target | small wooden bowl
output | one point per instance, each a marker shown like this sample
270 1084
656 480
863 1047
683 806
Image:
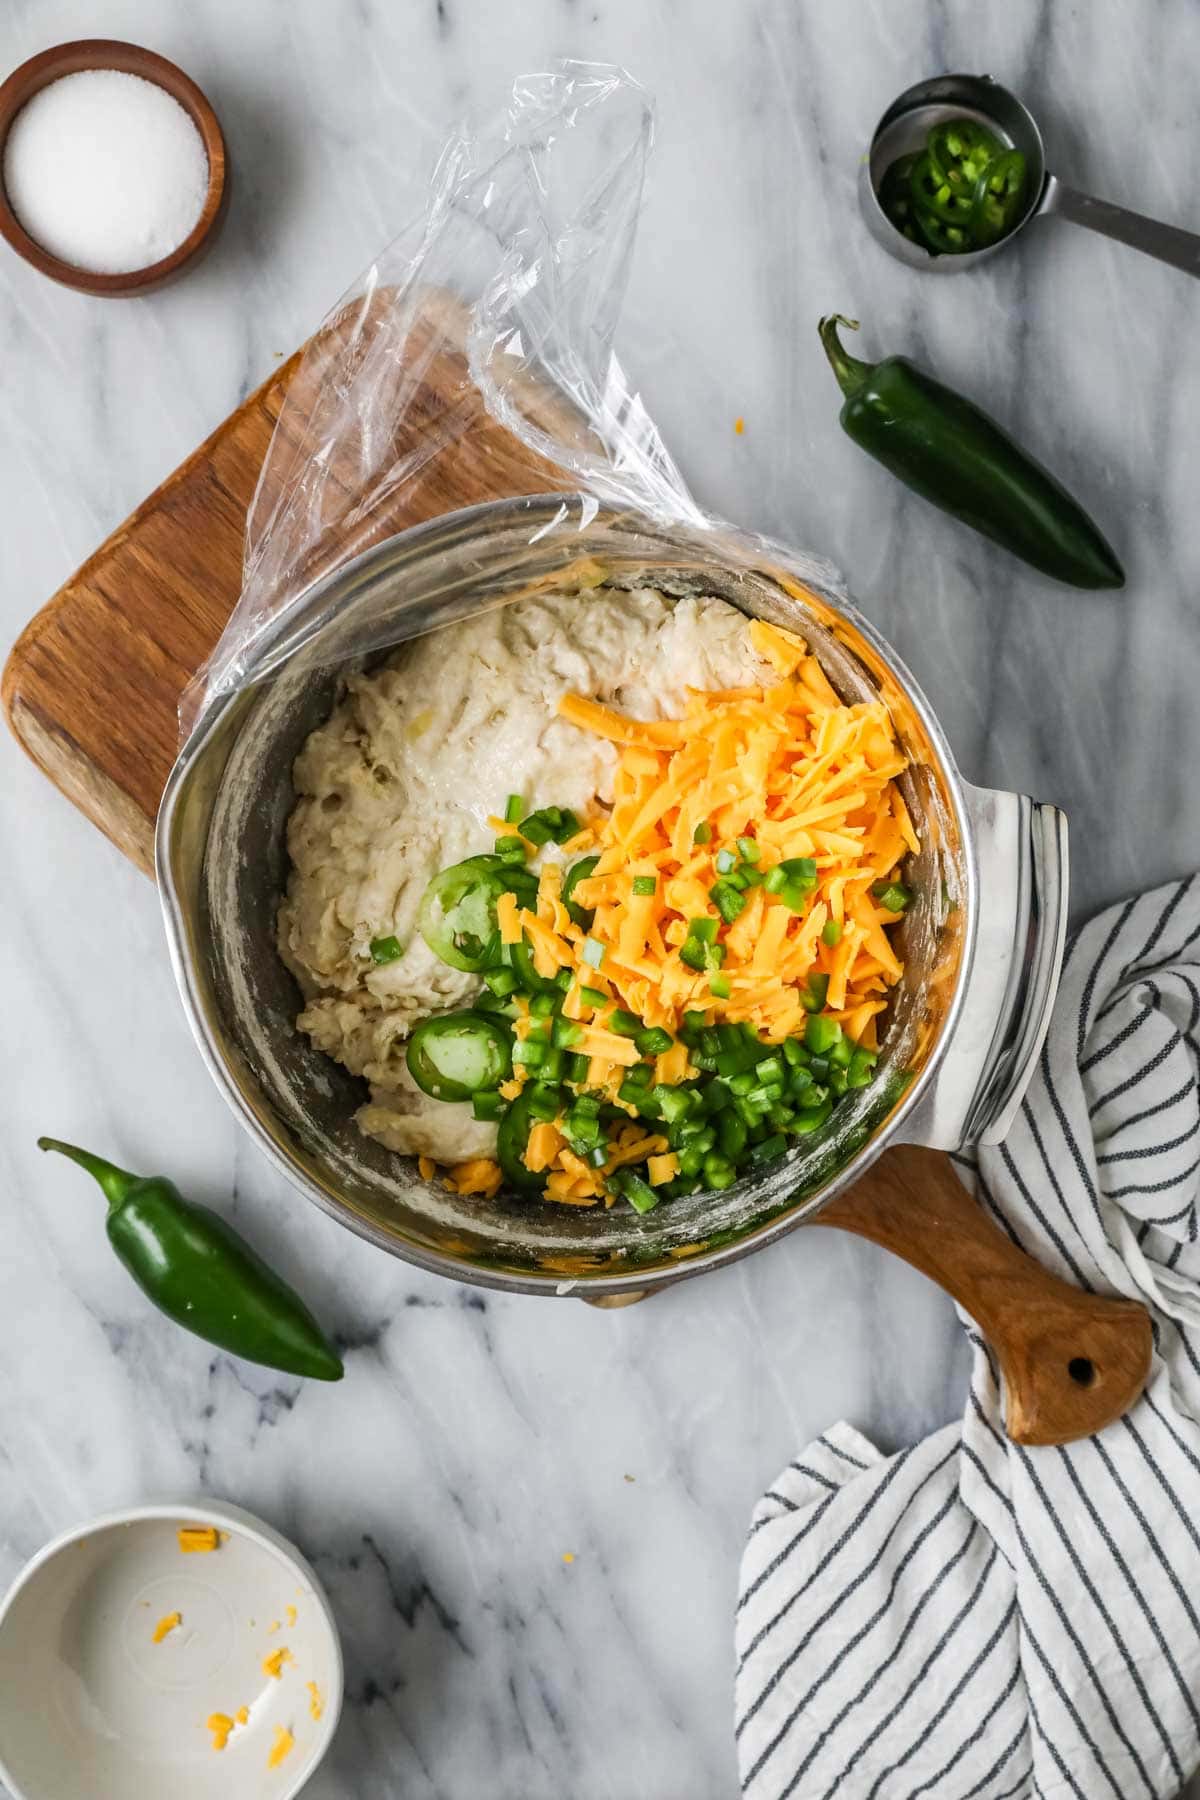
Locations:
127 59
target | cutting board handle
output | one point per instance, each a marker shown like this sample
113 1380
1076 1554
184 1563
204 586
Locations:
1071 1362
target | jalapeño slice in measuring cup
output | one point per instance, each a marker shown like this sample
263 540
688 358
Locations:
456 1055
999 198
895 194
960 150
932 193
939 235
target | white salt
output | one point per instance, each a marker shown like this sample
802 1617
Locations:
106 171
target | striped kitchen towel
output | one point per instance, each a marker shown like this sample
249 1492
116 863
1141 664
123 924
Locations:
970 1620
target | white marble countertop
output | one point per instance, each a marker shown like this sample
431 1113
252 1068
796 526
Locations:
478 1438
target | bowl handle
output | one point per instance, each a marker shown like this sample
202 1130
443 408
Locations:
1070 1362
1021 879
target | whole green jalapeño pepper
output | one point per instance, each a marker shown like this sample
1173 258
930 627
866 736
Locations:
950 452
197 1270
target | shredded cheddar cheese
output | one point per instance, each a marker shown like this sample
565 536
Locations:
291 1615
316 1706
273 1664
804 774
283 1746
508 918
220 1724
544 1144
198 1538
166 1626
479 1176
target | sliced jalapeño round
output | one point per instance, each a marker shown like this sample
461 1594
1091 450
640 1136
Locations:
960 150
455 1055
895 191
932 193
519 957
458 914
939 235
511 1140
458 910
999 198
579 871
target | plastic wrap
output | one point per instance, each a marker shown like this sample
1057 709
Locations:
498 308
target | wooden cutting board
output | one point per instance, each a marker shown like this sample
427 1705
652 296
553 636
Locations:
93 684
92 690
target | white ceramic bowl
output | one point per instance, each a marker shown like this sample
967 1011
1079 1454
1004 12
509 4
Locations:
92 1708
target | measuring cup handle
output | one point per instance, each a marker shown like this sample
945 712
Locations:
1167 242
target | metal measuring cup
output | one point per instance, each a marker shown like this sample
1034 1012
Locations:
904 128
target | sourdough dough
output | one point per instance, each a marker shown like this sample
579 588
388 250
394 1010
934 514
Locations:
400 782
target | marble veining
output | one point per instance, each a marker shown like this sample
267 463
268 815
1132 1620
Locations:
478 1440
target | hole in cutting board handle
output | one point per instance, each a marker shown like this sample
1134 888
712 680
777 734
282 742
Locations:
1070 1361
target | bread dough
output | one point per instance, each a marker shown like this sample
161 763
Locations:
400 782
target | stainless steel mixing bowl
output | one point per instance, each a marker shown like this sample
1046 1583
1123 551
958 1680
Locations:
982 943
